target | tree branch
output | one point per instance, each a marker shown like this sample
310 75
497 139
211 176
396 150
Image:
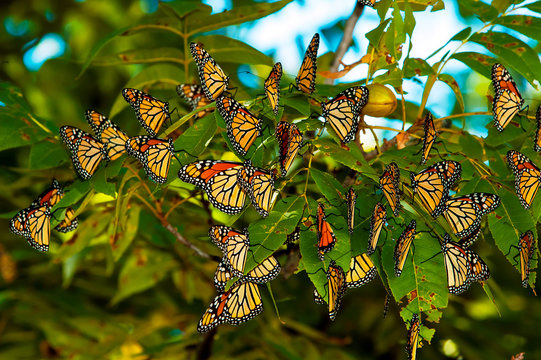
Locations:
181 239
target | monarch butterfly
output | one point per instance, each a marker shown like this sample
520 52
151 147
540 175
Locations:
194 95
219 179
150 111
433 183
86 152
402 247
351 198
222 276
389 184
213 79
264 272
464 213
413 337
467 241
108 133
526 248
429 138
236 252
507 100
537 142
49 197
242 127
289 140
336 280
463 266
527 177
239 304
325 235
306 77
34 223
294 236
361 271
155 155
342 112
69 223
272 87
259 185
379 217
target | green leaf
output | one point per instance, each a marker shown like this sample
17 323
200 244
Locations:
535 6
478 8
512 132
46 154
501 5
393 77
143 269
18 125
200 22
478 62
462 34
421 5
125 233
142 56
514 52
101 185
449 80
224 49
154 74
375 36
268 234
409 20
195 139
297 102
349 155
416 67
329 187
527 25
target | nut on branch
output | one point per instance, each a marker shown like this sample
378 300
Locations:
381 101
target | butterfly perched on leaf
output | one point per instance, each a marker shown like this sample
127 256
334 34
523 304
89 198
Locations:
259 185
507 100
155 155
343 111
351 198
86 152
194 95
213 79
336 286
150 111
464 213
526 250
361 271
377 221
290 141
108 133
389 183
325 234
413 337
219 180
402 247
242 126
272 87
463 266
527 177
537 140
34 223
432 185
429 137
306 77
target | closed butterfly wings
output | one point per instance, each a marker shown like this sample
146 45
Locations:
389 183
526 247
429 138
306 77
108 133
537 140
289 141
213 79
413 337
527 177
155 155
150 111
336 286
86 152
34 224
259 185
507 99
325 234
377 221
361 271
193 94
272 87
402 247
242 127
464 213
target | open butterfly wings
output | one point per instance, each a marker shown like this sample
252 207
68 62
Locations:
155 155
213 79
464 213
108 133
289 141
379 217
150 111
86 152
527 177
526 246
429 138
272 87
463 266
342 112
325 234
389 183
507 99
306 77
433 183
194 95
402 247
242 127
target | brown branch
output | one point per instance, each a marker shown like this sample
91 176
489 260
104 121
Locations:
346 39
181 239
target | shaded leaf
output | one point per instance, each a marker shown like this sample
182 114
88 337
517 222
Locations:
449 80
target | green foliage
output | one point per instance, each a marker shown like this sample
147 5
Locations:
126 285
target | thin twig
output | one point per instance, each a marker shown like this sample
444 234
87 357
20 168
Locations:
181 239
346 39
